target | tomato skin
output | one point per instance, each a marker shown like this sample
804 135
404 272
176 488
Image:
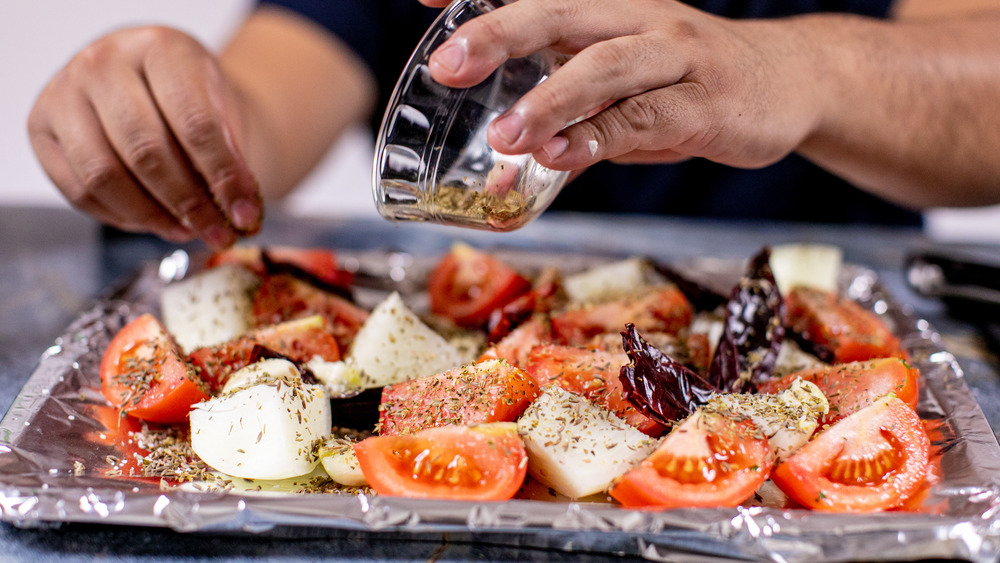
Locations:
731 461
467 285
489 391
482 463
850 332
591 373
664 309
143 350
299 340
321 263
853 386
282 297
833 472
518 343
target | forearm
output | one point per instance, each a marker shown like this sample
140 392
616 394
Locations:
302 88
908 109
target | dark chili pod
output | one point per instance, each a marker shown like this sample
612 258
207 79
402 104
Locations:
542 297
657 385
753 330
702 297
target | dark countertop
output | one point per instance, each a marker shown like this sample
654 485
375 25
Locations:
54 262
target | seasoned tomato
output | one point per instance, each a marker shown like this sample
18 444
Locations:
483 462
709 460
515 346
489 391
591 373
299 340
874 459
853 386
467 285
143 374
320 263
840 325
664 309
283 297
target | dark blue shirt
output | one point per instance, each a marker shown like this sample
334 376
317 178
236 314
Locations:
384 32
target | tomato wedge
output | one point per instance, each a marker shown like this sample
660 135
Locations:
467 285
874 459
709 460
849 332
299 340
483 462
591 373
320 263
664 309
143 374
489 391
853 386
282 297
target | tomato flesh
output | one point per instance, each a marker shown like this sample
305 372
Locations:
853 386
320 263
282 297
664 309
841 325
489 391
467 285
709 460
299 340
144 375
873 460
484 462
591 373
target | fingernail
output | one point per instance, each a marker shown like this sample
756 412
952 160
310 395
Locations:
510 127
245 214
451 57
555 146
219 237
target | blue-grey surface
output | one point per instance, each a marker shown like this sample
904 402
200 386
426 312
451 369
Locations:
53 262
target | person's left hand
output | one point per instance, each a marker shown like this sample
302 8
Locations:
659 80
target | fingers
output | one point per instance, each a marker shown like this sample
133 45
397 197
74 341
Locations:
78 159
138 131
193 100
611 70
664 125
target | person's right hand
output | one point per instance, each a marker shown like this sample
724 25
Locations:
142 130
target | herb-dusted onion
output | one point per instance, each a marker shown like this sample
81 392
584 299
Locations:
394 345
265 428
577 447
209 308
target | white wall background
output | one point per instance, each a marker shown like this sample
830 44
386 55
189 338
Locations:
38 36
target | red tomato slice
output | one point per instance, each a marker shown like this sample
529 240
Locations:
299 340
282 297
852 387
850 332
874 459
143 374
709 460
484 462
467 285
518 343
490 391
591 373
318 262
665 309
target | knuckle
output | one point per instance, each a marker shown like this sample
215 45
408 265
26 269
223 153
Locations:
199 128
99 175
147 156
637 114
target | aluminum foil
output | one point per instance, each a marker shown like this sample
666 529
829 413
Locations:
54 448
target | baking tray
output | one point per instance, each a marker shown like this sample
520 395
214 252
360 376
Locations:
54 457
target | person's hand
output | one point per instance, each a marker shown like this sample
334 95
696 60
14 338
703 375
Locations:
659 80
142 131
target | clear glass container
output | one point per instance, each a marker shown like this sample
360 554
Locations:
432 160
